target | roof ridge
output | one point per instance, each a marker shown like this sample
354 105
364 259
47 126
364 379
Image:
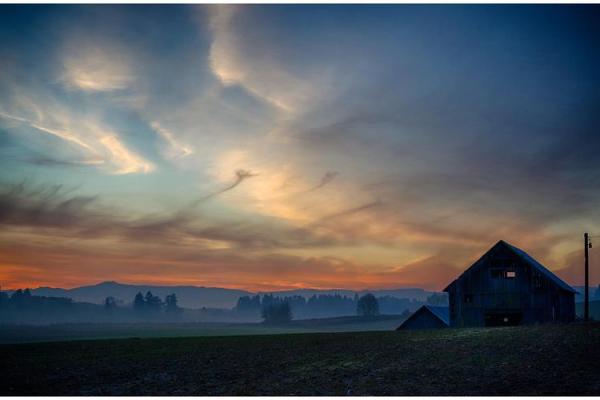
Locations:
522 254
525 257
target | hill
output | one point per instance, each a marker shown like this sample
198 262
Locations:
188 296
536 360
198 296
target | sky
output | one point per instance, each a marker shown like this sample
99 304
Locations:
270 147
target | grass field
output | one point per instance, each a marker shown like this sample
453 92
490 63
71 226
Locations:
541 360
62 332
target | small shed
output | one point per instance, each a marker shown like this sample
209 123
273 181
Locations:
427 317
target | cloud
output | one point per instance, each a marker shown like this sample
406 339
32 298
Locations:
45 161
93 68
237 60
326 179
240 176
52 211
462 147
95 144
125 160
176 147
573 270
445 268
68 136
350 211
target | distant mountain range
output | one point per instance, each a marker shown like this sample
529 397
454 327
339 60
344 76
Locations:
198 297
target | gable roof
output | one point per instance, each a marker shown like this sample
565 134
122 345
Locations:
527 259
441 313
532 262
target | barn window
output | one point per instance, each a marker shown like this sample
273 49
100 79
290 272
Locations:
502 274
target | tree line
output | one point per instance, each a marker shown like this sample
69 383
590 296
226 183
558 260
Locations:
148 304
275 309
23 306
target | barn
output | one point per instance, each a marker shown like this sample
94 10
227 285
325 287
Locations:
426 317
506 286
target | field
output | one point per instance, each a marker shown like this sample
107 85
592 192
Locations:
541 360
62 332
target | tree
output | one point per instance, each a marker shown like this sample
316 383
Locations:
17 294
110 303
367 306
171 304
153 303
21 297
277 313
139 304
438 299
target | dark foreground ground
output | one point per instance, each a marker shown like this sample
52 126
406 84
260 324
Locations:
543 360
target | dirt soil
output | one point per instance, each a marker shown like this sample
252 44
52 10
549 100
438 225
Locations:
540 360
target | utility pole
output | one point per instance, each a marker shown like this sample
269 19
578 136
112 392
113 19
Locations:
586 300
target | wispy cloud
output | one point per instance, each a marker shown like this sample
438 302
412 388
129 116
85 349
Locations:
99 145
94 68
126 161
55 211
237 61
240 176
326 179
350 211
176 147
68 136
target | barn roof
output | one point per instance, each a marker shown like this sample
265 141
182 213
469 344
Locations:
526 258
441 313
539 267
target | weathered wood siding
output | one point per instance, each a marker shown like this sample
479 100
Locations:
485 290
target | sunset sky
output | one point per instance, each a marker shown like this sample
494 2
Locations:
275 147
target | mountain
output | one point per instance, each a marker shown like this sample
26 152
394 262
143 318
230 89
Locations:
188 296
198 297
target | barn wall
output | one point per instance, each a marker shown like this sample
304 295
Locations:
529 297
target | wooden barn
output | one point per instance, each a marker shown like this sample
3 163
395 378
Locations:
506 286
426 317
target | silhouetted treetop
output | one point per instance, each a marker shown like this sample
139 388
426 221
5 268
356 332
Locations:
367 306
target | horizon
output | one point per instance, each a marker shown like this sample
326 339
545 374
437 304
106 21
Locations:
125 283
209 287
232 146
